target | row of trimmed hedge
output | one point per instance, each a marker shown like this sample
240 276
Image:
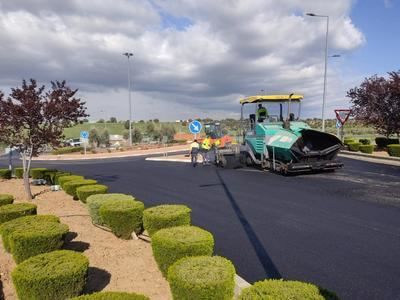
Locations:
65 150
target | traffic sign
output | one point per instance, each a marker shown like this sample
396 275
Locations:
84 135
338 124
342 115
195 127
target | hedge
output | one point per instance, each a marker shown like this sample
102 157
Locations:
37 173
112 296
49 176
123 217
171 244
5 174
367 148
354 146
65 150
202 277
364 141
19 172
164 216
6 199
95 201
12 211
383 142
71 186
349 140
83 192
64 179
37 238
57 275
60 174
7 228
282 290
394 150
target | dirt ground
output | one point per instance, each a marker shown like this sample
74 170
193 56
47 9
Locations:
115 264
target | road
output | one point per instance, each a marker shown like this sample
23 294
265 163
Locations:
338 230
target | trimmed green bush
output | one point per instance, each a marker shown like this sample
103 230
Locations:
83 192
283 290
56 275
37 238
354 146
367 148
19 172
65 150
12 211
349 140
123 217
5 174
394 150
365 141
62 180
71 186
37 173
6 199
164 216
60 174
112 296
7 228
171 244
95 201
49 176
202 277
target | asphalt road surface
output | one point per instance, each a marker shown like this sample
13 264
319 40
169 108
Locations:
338 230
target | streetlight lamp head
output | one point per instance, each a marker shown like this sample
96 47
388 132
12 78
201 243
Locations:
310 14
336 55
127 54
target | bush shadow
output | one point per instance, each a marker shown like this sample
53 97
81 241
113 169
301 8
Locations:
106 178
97 280
70 244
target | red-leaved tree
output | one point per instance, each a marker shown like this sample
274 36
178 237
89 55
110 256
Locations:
31 118
376 102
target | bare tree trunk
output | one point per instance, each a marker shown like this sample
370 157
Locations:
26 167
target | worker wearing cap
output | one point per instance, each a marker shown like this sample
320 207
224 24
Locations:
194 151
205 149
261 113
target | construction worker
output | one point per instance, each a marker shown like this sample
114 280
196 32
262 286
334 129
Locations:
205 149
194 151
261 113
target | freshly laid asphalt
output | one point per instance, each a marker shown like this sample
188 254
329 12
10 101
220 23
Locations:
338 230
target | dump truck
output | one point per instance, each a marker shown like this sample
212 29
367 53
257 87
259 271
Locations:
281 142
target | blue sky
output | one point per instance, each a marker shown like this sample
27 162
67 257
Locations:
380 23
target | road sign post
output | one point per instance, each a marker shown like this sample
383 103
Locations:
195 127
84 139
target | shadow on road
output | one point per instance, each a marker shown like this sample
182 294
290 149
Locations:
97 280
106 178
263 256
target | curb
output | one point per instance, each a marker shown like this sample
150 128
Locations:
166 159
389 158
60 158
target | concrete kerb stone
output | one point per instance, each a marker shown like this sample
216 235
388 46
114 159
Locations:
395 161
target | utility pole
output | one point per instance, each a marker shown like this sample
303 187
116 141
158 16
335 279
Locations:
128 55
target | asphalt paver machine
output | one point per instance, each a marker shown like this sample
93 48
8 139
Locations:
281 142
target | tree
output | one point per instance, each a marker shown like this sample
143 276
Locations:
150 129
168 131
31 118
101 121
126 124
376 102
94 137
156 120
113 120
105 138
136 136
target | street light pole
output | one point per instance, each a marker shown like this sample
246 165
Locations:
326 65
128 55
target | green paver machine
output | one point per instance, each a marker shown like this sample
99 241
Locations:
281 143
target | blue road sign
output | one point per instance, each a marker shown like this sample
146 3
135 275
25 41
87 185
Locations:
84 135
195 127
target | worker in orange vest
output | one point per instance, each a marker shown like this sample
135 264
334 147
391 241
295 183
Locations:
205 150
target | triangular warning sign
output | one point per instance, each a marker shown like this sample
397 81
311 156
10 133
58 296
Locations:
342 115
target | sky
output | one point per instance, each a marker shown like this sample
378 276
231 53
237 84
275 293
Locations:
197 58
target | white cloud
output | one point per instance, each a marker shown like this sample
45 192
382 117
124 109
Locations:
228 49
